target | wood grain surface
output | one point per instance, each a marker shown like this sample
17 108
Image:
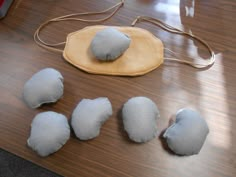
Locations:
171 86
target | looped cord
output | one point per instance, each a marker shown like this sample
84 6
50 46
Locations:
171 29
73 17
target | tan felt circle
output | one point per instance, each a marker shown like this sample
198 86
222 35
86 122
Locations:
144 54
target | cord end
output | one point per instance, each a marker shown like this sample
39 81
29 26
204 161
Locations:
135 21
122 2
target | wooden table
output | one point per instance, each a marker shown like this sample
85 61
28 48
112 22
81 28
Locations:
172 86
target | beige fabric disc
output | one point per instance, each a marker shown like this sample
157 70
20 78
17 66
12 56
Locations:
144 54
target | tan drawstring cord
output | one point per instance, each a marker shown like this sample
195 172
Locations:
157 22
171 29
50 46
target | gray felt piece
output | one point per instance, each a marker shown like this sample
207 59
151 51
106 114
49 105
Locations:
140 119
46 86
109 44
88 117
49 132
188 134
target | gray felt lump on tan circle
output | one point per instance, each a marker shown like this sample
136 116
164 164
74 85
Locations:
140 116
46 86
49 132
188 134
88 117
109 44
